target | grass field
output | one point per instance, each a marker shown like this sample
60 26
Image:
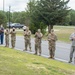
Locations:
63 33
14 62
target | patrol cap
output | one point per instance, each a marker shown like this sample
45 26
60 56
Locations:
52 30
39 30
13 28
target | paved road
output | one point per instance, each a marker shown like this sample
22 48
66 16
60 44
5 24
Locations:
62 49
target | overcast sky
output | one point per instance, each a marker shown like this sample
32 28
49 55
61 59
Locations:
20 5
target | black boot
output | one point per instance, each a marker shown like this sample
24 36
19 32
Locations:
70 60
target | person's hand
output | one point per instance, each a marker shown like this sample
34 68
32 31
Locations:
73 38
52 38
49 39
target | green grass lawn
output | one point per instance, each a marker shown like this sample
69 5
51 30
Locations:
64 32
14 62
19 33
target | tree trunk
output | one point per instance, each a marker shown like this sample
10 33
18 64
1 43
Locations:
49 28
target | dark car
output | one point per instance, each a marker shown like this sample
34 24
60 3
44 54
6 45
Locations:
16 25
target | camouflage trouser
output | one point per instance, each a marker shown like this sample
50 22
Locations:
38 47
27 42
74 59
13 42
72 51
52 51
7 41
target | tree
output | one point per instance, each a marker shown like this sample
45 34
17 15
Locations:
7 15
3 18
50 12
72 17
15 16
34 22
30 9
20 17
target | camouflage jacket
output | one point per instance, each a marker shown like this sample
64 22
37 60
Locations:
27 35
38 37
7 33
52 39
13 35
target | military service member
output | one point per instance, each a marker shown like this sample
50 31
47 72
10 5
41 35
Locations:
38 38
52 40
13 37
7 38
72 38
27 38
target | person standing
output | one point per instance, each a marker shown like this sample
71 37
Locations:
52 38
38 38
13 37
72 38
27 38
1 33
7 38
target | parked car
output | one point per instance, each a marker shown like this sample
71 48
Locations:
16 25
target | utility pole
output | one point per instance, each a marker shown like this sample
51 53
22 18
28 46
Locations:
9 17
3 5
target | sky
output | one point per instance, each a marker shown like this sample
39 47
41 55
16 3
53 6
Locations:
20 5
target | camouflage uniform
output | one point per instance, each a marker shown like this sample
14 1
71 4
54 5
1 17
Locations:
7 38
27 38
52 39
13 37
38 37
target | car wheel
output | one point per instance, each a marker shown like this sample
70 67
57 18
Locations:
13 27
